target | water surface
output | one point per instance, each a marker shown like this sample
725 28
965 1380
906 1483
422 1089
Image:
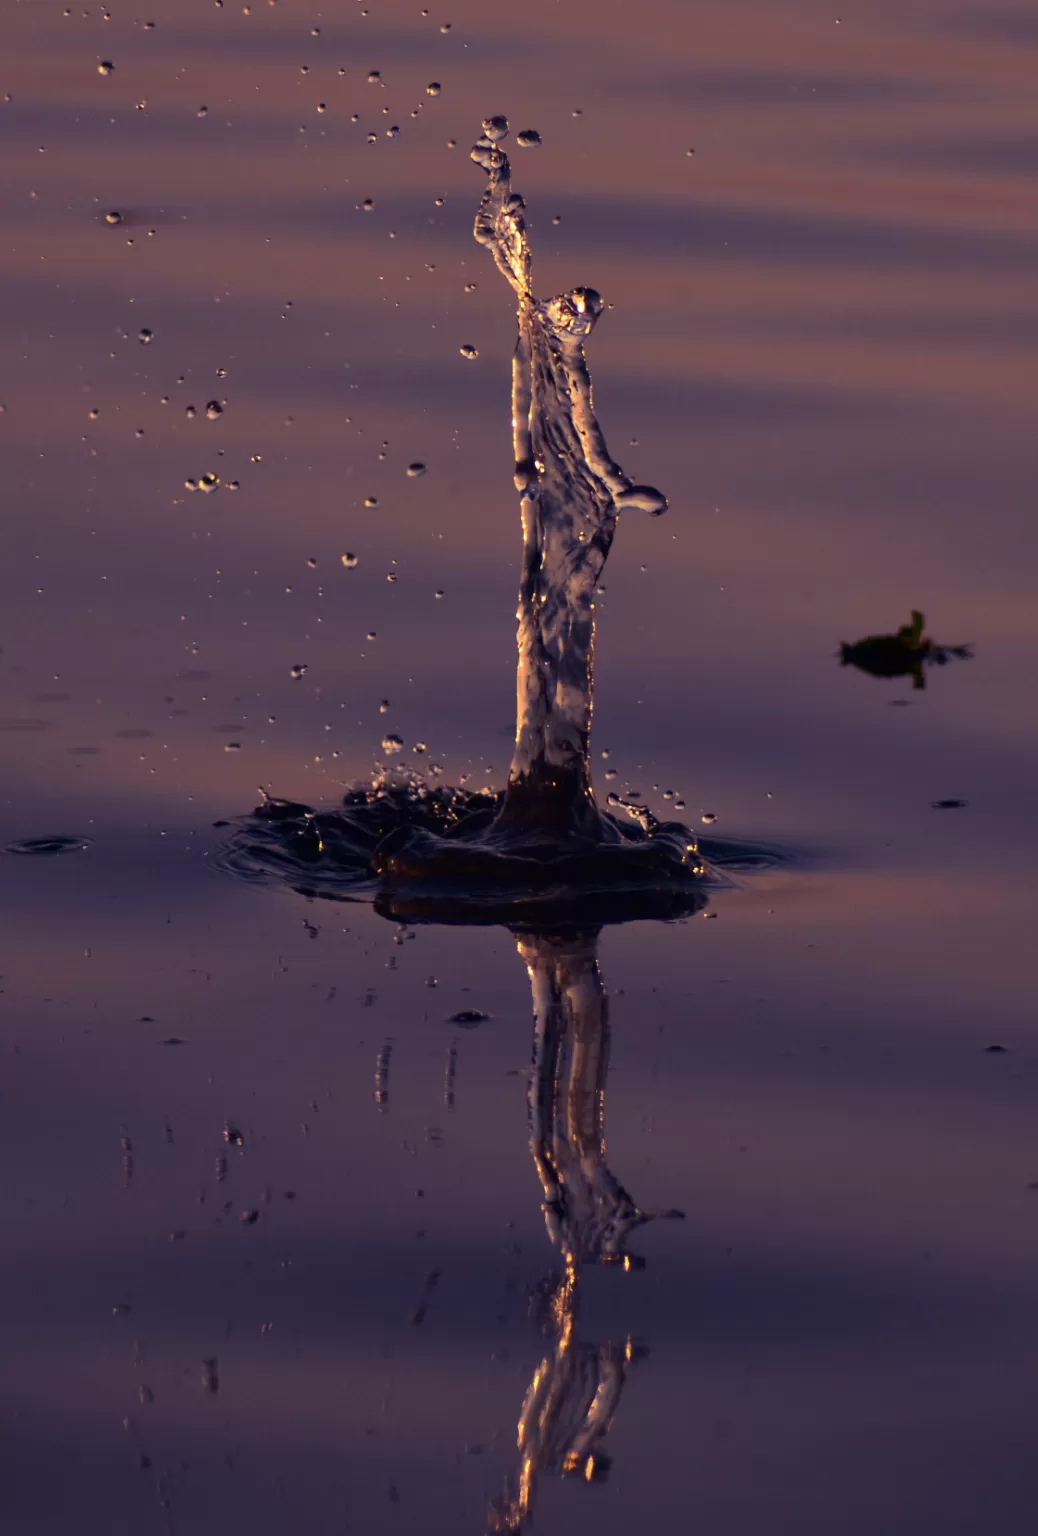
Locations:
822 339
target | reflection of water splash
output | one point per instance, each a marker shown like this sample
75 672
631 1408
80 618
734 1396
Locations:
576 1389
544 841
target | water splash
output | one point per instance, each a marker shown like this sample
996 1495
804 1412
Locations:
543 842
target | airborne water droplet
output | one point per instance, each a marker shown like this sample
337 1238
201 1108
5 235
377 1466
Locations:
214 409
468 350
145 336
495 128
371 501
415 470
105 67
392 743
298 670
528 139
113 217
350 561
434 88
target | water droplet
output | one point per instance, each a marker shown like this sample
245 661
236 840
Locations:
391 133
208 482
708 817
641 498
105 67
415 470
191 485
469 1018
350 561
468 350
529 138
371 501
233 746
438 592
434 88
214 409
495 128
322 106
94 414
391 577
392 743
374 76
145 336
372 138
190 412
445 27
201 111
368 204
383 708
113 216
299 670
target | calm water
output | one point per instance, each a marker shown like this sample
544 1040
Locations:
823 342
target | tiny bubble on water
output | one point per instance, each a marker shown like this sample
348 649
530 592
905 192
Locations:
415 470
468 350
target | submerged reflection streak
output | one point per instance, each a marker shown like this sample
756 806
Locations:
589 1214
